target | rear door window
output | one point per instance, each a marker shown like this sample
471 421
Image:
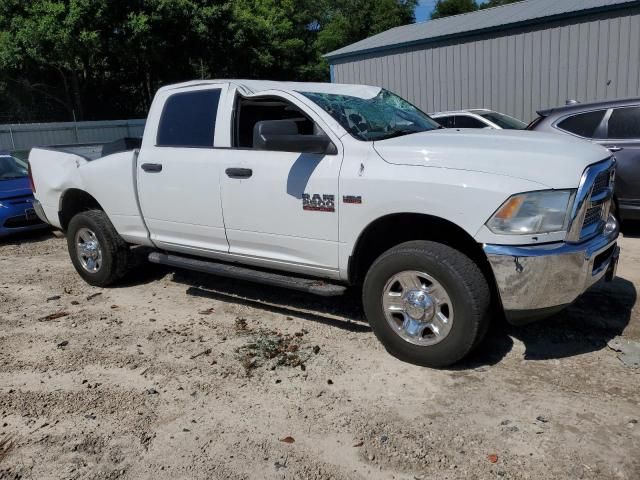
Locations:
465 121
189 119
583 124
625 123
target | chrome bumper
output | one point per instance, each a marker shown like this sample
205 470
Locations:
536 281
37 206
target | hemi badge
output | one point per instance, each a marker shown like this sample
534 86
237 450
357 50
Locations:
352 199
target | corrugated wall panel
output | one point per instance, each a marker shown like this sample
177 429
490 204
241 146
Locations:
516 72
26 136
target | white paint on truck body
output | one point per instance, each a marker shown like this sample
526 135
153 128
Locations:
193 207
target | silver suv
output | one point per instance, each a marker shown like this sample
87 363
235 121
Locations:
614 124
478 118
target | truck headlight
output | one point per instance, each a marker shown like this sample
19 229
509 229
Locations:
534 212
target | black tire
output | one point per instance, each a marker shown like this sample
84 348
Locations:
464 283
115 252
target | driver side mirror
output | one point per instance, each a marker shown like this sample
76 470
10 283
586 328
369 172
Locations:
283 136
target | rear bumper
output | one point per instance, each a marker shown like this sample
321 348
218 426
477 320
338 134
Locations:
37 206
537 281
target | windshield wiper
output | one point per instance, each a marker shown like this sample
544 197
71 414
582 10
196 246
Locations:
12 178
400 133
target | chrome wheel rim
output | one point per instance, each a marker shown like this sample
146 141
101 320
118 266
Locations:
418 308
88 250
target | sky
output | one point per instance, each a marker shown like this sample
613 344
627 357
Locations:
423 11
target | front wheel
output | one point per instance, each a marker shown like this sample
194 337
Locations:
97 251
427 303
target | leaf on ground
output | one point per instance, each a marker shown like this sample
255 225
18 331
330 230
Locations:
208 311
288 440
493 458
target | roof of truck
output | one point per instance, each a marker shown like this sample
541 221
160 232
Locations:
257 86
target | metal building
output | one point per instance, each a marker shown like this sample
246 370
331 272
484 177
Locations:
516 59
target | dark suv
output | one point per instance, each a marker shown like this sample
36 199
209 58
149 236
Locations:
614 124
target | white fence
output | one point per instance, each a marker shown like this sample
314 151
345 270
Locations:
18 137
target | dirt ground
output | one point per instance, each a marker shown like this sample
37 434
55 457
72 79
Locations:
183 376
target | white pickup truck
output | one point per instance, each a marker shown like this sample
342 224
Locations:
321 186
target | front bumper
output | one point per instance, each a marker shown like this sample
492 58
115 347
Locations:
19 215
536 281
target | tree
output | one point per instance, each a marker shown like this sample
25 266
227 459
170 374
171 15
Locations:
497 3
446 8
342 22
51 36
101 59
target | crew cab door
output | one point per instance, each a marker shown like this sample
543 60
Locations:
178 171
281 207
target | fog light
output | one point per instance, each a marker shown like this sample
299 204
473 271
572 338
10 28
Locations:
611 225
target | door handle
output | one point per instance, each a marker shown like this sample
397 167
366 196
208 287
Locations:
615 149
152 167
239 172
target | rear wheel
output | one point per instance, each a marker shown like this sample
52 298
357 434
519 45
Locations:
427 303
99 254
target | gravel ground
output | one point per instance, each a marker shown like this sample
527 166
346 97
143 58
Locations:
178 375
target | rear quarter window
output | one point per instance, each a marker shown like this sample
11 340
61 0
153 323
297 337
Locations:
583 124
189 119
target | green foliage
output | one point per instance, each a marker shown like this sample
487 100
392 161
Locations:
96 59
497 3
446 8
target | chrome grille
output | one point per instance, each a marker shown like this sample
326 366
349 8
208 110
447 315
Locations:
593 216
602 182
593 201
598 207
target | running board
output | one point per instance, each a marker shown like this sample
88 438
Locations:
315 286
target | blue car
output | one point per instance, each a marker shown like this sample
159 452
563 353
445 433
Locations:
16 198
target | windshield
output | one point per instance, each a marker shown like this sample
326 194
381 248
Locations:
11 167
502 120
384 116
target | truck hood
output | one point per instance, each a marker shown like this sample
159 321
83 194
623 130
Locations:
17 187
554 161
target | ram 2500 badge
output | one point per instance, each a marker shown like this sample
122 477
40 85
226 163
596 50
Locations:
321 186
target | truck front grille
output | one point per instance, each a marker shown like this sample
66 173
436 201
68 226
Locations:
593 201
598 202
593 216
602 182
